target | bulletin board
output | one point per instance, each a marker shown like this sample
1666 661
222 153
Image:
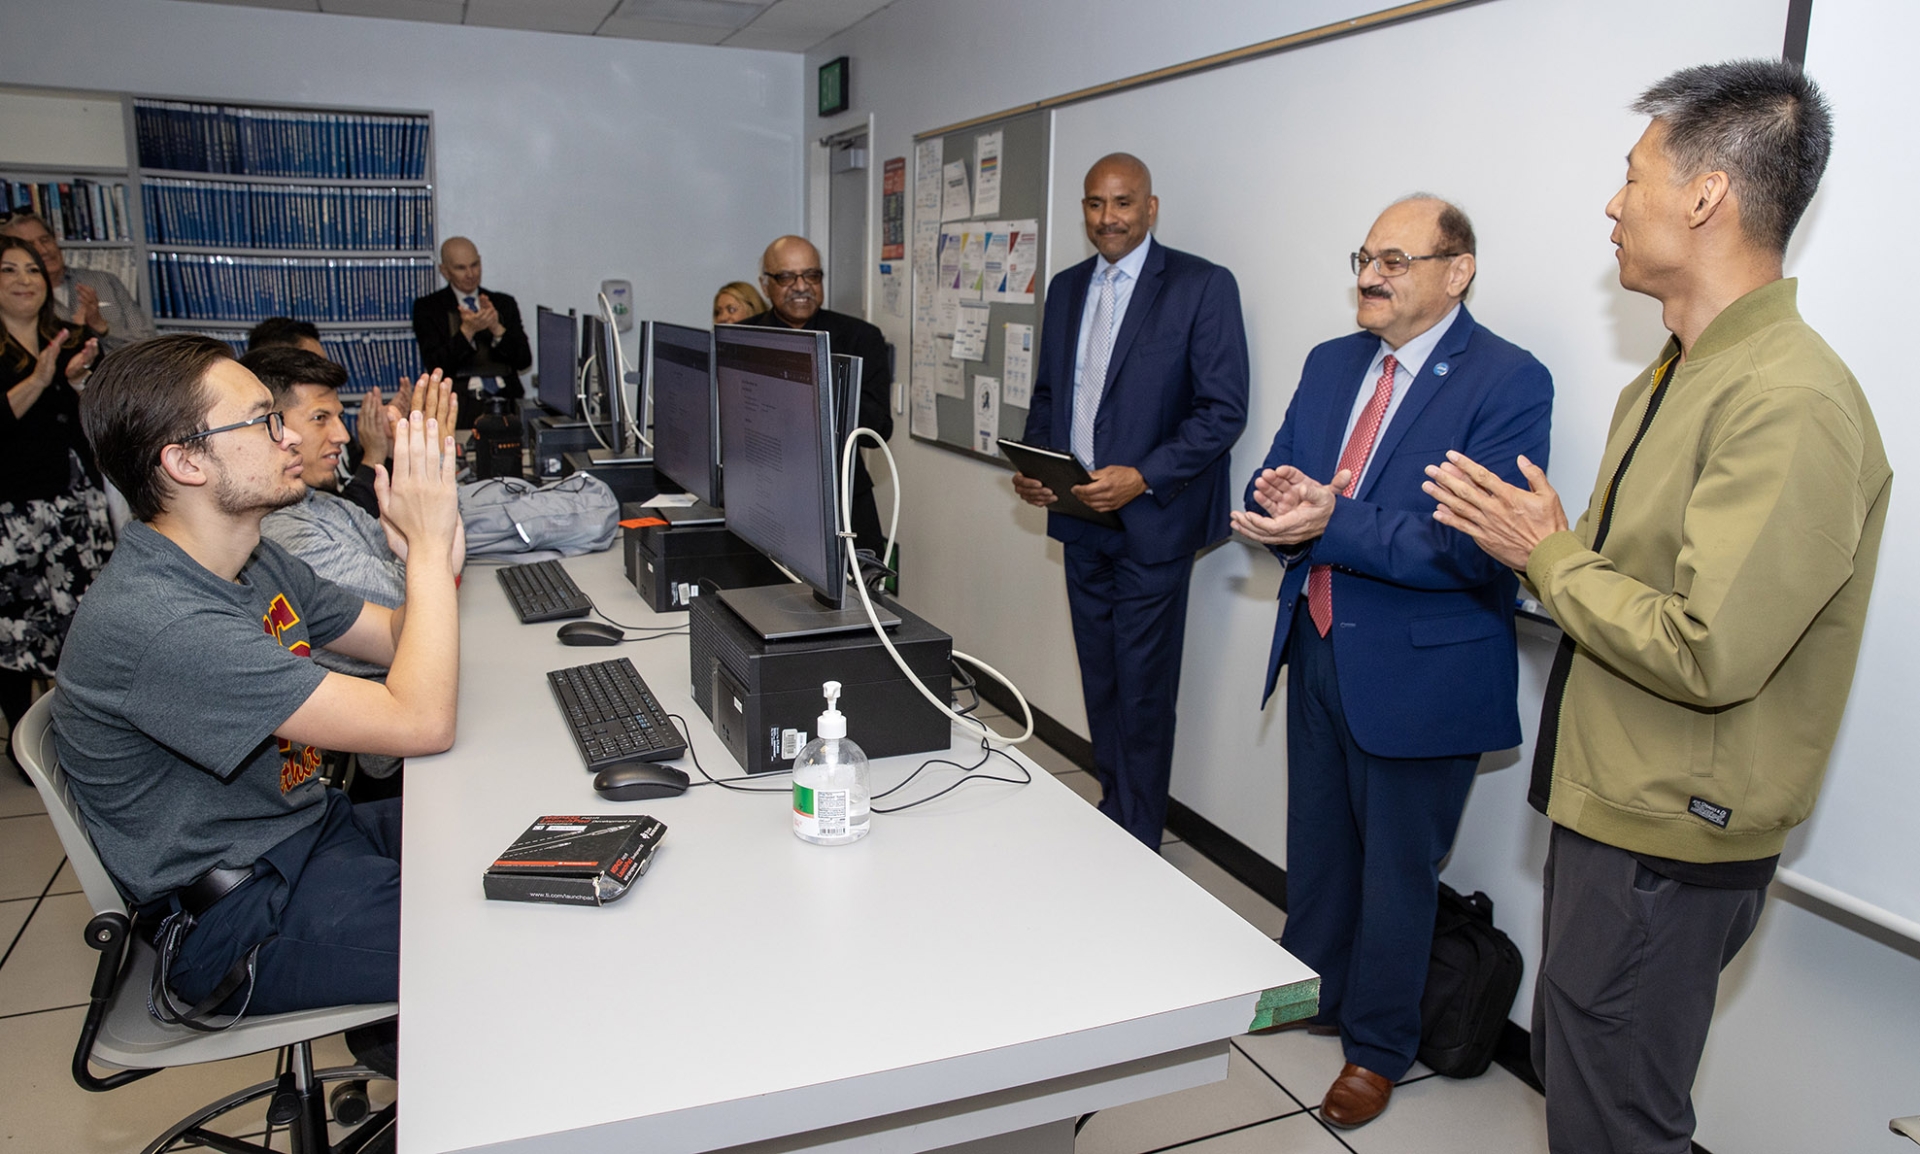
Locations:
978 263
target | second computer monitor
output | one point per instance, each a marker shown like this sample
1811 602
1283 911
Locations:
559 360
776 436
686 434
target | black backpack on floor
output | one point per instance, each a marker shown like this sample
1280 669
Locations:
1471 983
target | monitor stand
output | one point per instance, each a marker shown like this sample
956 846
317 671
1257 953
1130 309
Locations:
784 612
617 457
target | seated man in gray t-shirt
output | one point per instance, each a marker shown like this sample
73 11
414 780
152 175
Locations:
190 707
343 543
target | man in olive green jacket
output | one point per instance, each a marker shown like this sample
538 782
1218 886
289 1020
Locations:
1712 596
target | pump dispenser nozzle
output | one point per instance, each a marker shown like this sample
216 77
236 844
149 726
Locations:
833 723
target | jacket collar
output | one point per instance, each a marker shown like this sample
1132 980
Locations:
1770 304
1145 291
1433 376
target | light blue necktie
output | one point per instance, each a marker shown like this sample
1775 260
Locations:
1093 377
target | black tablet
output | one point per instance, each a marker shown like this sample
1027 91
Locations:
1059 472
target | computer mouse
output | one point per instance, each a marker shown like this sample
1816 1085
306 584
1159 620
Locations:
589 633
639 780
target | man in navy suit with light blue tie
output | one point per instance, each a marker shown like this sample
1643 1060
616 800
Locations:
1143 377
1398 640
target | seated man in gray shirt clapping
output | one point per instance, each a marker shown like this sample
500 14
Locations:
190 711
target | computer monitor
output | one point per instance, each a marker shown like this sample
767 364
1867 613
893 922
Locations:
846 402
559 360
686 426
599 383
777 427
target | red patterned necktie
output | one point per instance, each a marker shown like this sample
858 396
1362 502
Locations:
1353 461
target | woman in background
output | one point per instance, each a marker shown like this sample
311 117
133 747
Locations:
736 302
54 533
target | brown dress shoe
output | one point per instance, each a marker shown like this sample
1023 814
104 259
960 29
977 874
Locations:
1356 1097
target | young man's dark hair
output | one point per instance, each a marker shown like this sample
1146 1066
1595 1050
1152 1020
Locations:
1762 122
278 331
281 367
140 400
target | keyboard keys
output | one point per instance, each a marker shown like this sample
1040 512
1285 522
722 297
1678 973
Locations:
543 591
613 715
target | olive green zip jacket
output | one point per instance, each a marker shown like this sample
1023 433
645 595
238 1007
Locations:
1716 629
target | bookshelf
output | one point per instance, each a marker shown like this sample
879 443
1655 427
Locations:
324 214
220 214
64 155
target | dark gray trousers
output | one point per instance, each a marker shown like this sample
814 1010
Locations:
1630 968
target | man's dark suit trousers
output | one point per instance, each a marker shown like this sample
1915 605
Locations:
1129 623
1365 837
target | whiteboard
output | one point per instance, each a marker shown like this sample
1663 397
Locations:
1516 110
1862 838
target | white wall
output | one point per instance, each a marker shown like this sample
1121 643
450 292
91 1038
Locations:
568 159
1812 1048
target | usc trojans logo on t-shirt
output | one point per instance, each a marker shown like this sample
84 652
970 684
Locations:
298 763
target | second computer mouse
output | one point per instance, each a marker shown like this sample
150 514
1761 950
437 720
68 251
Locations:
639 780
589 633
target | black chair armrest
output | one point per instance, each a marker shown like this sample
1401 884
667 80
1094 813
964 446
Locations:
106 933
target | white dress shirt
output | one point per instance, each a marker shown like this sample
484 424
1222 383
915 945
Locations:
1411 358
1129 266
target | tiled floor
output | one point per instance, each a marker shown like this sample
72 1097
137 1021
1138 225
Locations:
1268 1104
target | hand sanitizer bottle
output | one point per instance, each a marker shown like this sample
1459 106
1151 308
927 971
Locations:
831 793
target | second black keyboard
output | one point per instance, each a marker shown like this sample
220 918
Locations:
613 716
543 591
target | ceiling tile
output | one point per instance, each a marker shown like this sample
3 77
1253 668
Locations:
751 37
430 11
635 28
541 15
288 5
824 17
707 13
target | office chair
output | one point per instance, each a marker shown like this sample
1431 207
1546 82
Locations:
119 1032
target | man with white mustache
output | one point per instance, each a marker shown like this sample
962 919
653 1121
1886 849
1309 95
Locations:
1397 631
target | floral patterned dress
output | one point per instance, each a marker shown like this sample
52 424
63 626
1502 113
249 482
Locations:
54 531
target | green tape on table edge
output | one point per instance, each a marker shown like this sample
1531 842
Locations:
1284 1004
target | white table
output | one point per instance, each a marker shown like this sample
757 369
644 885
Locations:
980 970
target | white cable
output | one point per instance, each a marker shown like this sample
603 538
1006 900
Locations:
580 396
853 566
620 377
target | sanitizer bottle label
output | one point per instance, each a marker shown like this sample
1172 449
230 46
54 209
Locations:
821 813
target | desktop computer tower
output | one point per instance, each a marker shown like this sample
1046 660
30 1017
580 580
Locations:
668 566
629 480
550 439
764 696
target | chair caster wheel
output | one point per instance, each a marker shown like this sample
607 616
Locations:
349 1103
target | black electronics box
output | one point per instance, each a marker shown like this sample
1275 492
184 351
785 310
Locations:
764 696
668 566
551 439
573 860
629 480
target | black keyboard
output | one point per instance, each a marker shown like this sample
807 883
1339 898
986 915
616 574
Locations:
543 591
613 715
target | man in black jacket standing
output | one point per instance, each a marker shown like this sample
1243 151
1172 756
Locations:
791 275
472 335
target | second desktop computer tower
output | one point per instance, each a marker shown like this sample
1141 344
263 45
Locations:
672 566
551 439
764 696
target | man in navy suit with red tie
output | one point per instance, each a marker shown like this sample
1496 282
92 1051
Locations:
1143 377
1398 640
